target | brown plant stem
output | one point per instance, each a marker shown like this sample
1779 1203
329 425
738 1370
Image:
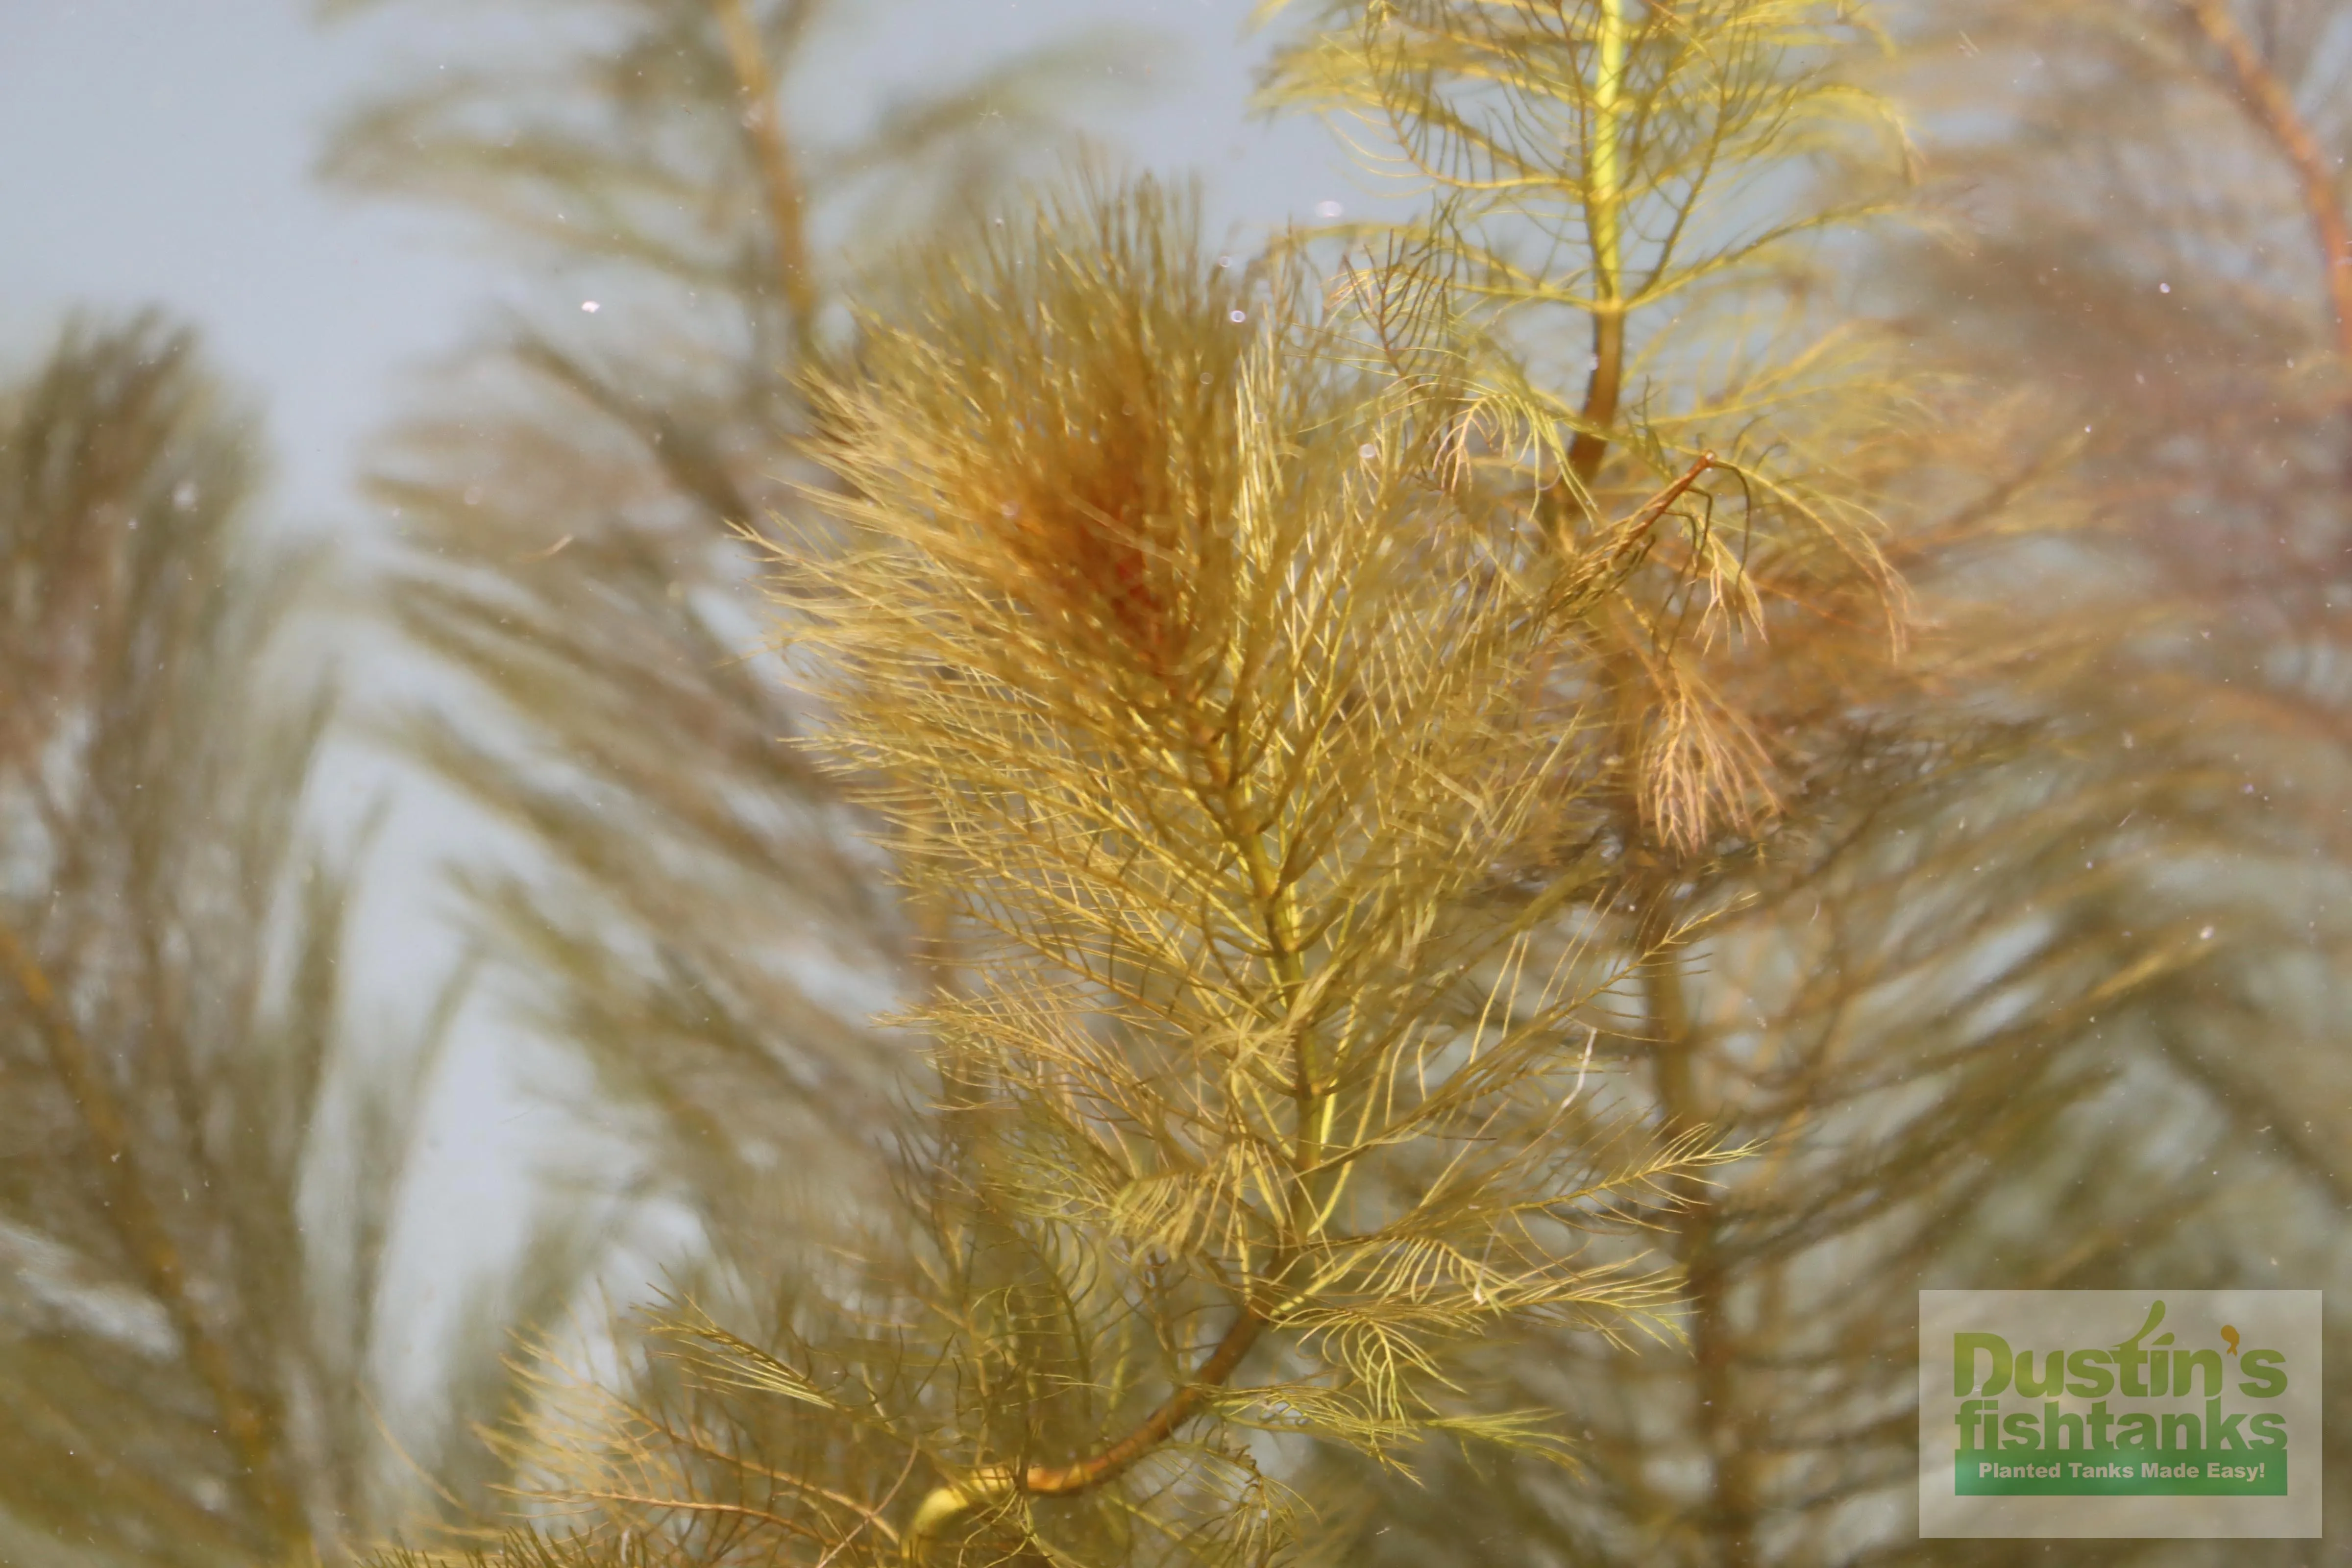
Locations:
948 1504
149 1240
2266 99
780 181
1602 390
1731 1512
1215 1369
1239 813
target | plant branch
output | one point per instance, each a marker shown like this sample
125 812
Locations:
149 1242
948 1504
2273 107
1603 208
1731 1503
780 181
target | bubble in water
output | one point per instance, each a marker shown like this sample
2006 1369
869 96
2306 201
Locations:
183 497
1368 451
1328 209
1240 316
590 306
2205 935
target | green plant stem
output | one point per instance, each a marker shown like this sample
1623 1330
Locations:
1731 1512
1604 199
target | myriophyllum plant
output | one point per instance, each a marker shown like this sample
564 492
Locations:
1207 677
1621 196
1313 728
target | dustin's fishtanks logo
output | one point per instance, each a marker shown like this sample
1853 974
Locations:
2095 1413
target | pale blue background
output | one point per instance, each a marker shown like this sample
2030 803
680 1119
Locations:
159 151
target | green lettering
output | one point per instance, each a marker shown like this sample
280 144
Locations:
1963 1364
2185 1362
2130 1358
2221 1431
2054 1374
2100 1418
2268 1429
2089 1371
2057 1428
2266 1374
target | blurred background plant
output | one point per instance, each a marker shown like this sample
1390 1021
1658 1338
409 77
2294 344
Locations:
691 917
203 1149
694 923
1964 754
2054 1011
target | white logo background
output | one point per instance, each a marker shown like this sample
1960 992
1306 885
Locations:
2286 1320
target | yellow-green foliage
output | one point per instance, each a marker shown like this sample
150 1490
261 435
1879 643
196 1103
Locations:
1189 662
1621 200
1304 720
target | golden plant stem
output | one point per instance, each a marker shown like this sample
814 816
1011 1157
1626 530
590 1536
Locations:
1278 916
1215 1369
149 1242
1605 197
2273 107
780 181
948 1504
932 950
